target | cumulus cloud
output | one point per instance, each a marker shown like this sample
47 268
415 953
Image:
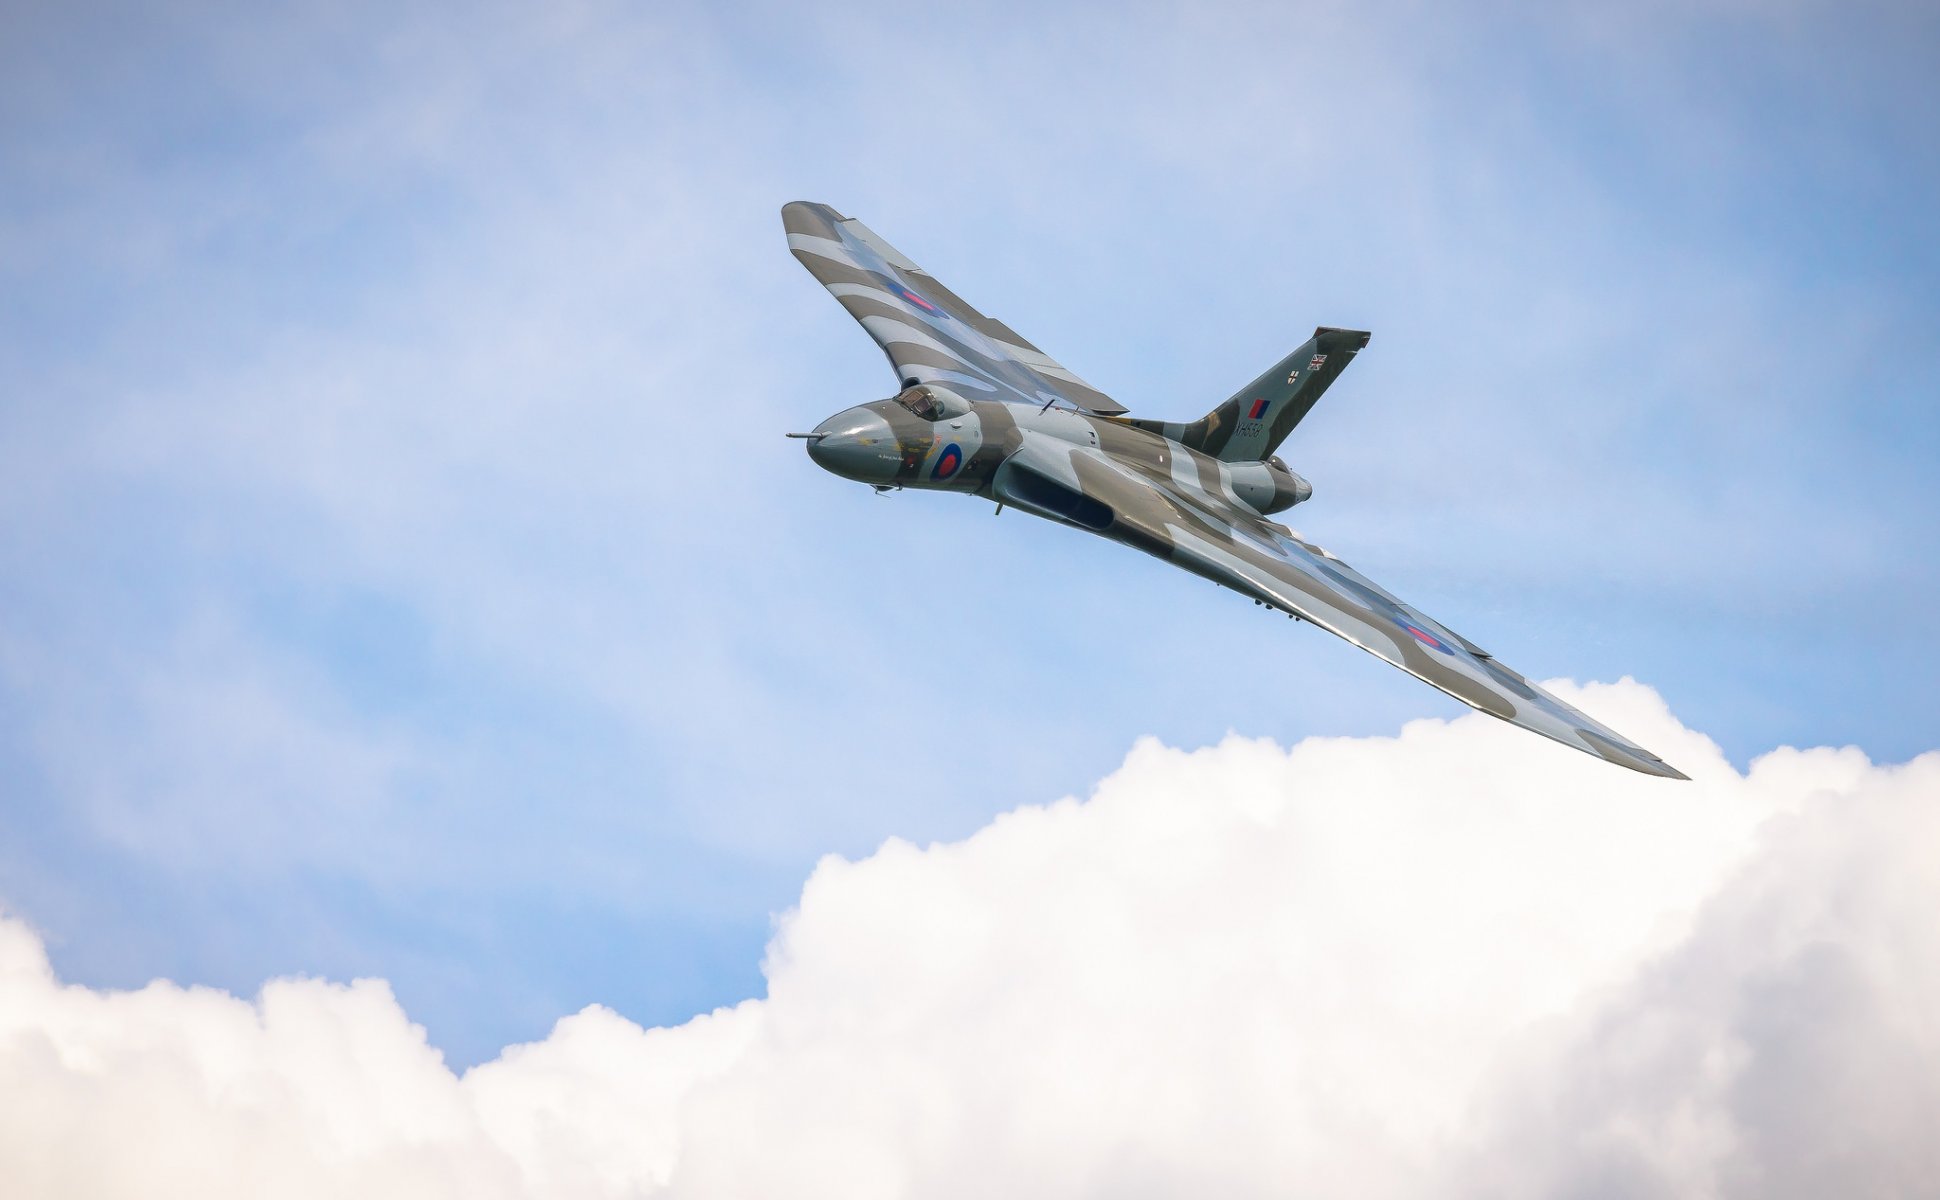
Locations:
1456 961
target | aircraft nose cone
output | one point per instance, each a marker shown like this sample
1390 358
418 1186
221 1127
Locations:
856 444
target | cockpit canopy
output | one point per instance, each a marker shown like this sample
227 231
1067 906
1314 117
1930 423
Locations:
932 403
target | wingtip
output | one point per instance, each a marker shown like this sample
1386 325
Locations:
796 210
806 217
1631 755
1655 766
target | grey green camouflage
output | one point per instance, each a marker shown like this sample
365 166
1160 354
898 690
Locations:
983 411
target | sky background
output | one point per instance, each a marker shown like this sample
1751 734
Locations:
402 572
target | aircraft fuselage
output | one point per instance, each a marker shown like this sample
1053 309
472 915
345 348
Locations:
960 446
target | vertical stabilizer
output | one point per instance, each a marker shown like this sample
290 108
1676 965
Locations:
1250 426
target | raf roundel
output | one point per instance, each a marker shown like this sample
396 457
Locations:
915 299
947 462
1428 639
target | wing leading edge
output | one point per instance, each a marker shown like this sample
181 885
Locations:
1264 560
929 333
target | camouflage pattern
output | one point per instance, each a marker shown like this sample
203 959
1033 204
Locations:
929 334
984 412
1256 420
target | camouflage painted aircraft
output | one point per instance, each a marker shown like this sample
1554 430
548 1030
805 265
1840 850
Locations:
983 411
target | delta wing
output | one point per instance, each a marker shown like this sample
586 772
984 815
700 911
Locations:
928 332
1266 561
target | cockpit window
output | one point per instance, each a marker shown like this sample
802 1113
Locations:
919 401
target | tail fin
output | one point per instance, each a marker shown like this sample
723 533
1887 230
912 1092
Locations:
1250 426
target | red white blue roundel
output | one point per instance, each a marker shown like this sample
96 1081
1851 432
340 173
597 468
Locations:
1428 639
948 462
915 299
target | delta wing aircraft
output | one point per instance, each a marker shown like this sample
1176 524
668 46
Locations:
983 411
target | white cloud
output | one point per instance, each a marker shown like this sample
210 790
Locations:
1460 960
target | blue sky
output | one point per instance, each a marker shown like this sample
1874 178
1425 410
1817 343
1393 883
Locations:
401 571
